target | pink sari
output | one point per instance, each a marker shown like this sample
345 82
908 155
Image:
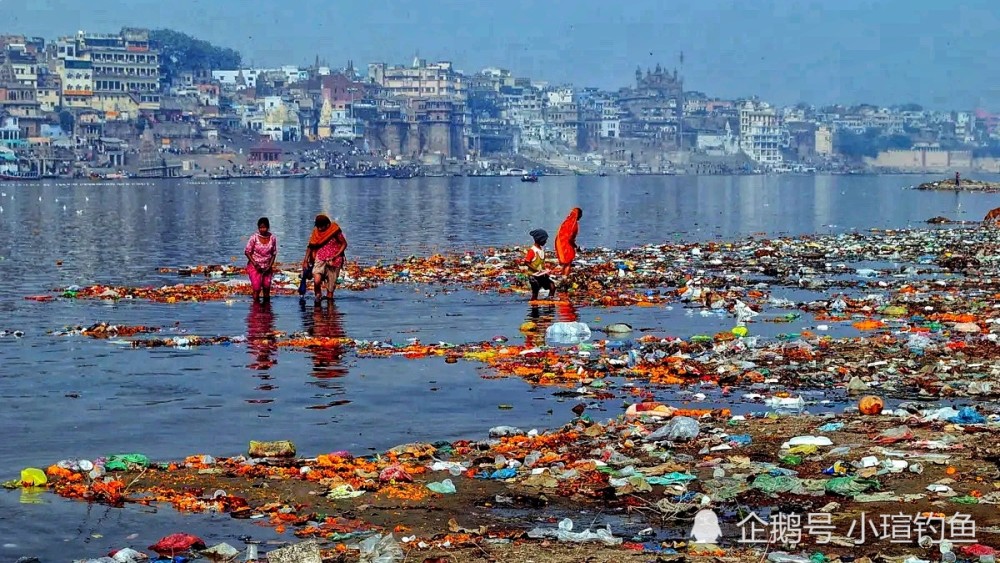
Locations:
262 252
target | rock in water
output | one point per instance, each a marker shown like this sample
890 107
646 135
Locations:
281 448
619 328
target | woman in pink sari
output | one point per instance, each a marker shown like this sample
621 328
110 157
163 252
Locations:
261 252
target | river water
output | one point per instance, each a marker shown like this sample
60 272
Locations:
73 397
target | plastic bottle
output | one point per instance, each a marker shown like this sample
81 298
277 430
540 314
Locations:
947 555
531 459
787 405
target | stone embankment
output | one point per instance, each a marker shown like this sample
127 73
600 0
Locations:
963 184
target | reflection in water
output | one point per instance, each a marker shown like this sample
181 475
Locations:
326 323
566 312
32 495
260 338
544 316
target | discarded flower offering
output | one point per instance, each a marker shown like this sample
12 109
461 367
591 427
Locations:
870 428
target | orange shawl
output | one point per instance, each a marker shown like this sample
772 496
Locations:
566 237
319 238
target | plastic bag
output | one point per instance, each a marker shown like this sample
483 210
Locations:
786 405
33 477
123 461
672 478
395 473
968 415
307 274
565 533
849 486
177 543
381 549
782 557
129 555
445 487
679 429
893 435
818 441
500 474
772 484
343 491
743 312
567 333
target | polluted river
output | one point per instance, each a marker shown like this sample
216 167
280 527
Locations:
792 368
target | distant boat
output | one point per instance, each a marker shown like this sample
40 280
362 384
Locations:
19 176
95 177
529 178
258 176
404 174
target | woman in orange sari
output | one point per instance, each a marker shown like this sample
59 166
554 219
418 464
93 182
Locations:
325 253
566 241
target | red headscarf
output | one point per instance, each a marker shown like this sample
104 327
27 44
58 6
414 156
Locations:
566 238
321 237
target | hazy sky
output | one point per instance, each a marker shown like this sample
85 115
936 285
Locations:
941 54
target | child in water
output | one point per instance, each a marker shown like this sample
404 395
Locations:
261 252
538 274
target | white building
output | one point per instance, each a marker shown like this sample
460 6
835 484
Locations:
559 97
610 121
965 127
233 77
762 135
824 141
716 144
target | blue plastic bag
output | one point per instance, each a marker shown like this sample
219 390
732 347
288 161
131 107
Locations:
307 274
968 415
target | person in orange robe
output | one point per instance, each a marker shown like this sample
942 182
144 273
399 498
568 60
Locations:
566 241
325 254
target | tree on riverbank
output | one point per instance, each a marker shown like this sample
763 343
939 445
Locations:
179 52
869 143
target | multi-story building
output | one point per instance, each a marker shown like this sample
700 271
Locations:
762 136
824 141
965 127
420 80
240 79
49 92
563 117
654 107
76 78
110 72
24 64
610 120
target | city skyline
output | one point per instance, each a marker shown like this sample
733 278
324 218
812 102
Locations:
882 53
